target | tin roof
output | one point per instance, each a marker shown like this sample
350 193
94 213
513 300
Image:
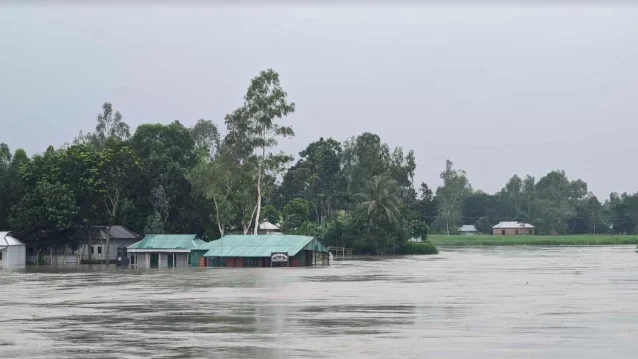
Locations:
168 241
120 232
261 245
512 225
268 226
6 240
467 228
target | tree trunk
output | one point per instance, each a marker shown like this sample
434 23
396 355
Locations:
261 168
258 203
90 244
219 225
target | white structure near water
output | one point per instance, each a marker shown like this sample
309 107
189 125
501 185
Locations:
13 253
468 229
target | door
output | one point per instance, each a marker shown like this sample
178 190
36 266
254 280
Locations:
154 260
171 260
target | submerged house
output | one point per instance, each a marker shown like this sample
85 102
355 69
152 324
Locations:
468 229
105 240
269 228
164 250
512 229
12 251
274 250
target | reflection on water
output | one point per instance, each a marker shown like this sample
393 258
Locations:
529 302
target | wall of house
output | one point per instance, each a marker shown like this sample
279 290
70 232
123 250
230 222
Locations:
512 231
181 260
14 256
112 248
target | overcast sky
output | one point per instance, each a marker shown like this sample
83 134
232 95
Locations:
499 91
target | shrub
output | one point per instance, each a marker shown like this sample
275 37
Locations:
426 247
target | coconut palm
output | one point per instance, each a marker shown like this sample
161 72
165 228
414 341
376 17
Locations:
379 200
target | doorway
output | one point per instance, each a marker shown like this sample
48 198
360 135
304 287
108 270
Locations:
154 260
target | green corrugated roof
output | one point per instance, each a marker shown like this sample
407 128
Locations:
168 241
261 245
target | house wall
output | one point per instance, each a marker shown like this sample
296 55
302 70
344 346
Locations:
14 256
512 231
144 260
112 248
181 260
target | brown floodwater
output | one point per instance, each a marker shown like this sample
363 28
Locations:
498 302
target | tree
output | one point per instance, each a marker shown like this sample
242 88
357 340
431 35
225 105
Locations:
214 181
271 214
254 126
109 125
206 138
296 214
317 177
379 201
379 207
513 191
46 212
426 204
450 197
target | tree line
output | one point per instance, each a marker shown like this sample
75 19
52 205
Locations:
358 193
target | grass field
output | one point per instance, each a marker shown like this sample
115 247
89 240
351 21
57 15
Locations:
571 240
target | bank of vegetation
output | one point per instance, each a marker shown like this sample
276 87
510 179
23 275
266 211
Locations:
566 240
227 175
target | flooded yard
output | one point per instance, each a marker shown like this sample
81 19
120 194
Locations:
498 302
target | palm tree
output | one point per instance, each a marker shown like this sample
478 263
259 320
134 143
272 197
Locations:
380 206
379 200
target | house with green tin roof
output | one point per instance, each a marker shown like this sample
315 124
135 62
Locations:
164 250
269 250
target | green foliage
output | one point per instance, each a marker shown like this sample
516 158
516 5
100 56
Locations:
421 248
483 225
271 214
451 195
574 240
296 213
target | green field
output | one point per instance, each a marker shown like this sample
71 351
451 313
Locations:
570 240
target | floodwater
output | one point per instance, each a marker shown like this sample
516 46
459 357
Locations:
499 302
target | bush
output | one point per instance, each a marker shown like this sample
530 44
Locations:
426 247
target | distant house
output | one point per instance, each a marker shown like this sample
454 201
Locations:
468 229
105 240
164 250
269 228
512 229
12 252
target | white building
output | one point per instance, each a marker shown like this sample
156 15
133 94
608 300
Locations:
13 253
269 228
468 229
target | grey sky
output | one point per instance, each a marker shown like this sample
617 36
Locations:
497 90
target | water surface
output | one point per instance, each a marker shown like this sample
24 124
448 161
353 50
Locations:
498 302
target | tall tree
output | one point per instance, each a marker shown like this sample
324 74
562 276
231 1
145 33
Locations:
214 180
450 197
255 125
206 137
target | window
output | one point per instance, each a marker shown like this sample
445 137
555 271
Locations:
99 249
530 231
503 232
516 232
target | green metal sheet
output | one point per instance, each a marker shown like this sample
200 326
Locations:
261 245
168 241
